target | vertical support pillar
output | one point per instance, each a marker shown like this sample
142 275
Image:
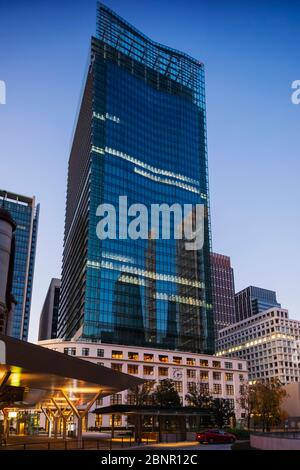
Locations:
112 426
79 430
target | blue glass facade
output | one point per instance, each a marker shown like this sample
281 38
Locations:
141 133
253 300
26 216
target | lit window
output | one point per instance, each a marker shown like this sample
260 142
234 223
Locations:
116 399
117 367
117 420
228 377
163 371
203 375
217 389
191 386
98 420
178 386
117 355
163 358
203 362
204 388
190 361
99 402
148 357
133 356
177 359
148 370
216 364
191 373
229 390
132 369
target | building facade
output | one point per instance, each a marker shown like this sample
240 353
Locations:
222 377
49 314
141 134
25 213
252 300
269 341
222 277
7 251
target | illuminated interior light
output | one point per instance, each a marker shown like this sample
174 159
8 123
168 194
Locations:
141 272
150 168
158 179
182 299
108 116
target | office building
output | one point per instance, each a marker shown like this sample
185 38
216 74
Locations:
269 341
222 277
252 300
141 133
49 314
222 377
25 213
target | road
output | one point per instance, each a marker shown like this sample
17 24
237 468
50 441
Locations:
194 446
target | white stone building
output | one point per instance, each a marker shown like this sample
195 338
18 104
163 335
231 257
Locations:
269 341
222 377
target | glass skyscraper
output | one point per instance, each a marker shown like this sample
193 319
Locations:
253 300
140 133
25 213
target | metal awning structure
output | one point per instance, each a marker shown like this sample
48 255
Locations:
59 385
151 410
36 374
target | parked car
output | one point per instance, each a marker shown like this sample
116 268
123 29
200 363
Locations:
215 436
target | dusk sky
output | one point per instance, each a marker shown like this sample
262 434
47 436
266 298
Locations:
251 54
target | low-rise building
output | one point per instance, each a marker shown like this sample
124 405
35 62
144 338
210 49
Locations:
269 341
222 377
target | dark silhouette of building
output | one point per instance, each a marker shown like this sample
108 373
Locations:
222 277
49 314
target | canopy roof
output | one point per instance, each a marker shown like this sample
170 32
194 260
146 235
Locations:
31 375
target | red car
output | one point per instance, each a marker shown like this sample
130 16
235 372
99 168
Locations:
217 436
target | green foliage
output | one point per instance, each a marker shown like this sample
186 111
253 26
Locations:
262 401
199 397
239 433
222 410
141 395
166 395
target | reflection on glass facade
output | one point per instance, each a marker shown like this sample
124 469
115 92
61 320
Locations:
253 300
26 216
141 132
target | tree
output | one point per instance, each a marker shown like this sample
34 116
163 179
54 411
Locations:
199 397
166 394
140 395
223 410
247 401
268 397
